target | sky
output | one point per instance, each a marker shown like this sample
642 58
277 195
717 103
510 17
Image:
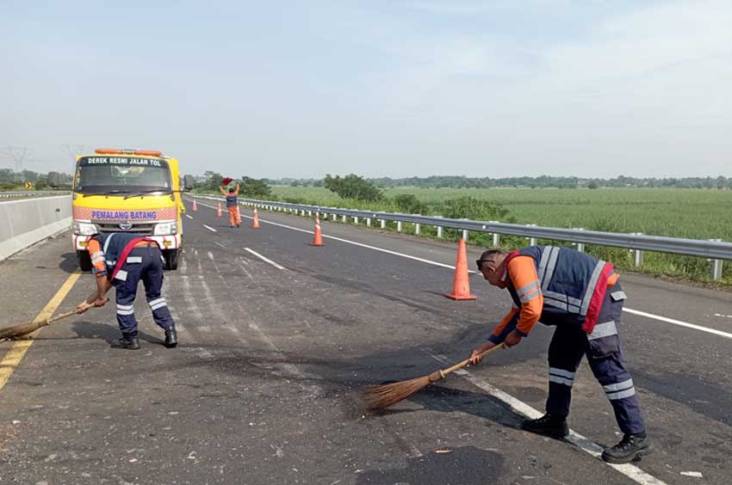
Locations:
393 88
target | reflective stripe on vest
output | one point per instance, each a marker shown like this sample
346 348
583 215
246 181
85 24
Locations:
546 264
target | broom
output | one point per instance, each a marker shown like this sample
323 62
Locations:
15 331
381 397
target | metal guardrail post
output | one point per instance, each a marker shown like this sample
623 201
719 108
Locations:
344 218
355 220
496 240
717 266
532 240
638 243
717 269
580 246
439 232
465 235
333 217
637 253
368 222
417 229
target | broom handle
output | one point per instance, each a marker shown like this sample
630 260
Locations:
464 363
61 316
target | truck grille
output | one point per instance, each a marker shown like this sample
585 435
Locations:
142 228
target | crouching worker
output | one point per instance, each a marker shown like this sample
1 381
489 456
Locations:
581 296
122 260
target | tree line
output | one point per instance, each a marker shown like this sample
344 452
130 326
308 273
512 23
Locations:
12 180
543 181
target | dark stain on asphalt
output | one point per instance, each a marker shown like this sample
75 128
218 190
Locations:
467 465
364 288
686 389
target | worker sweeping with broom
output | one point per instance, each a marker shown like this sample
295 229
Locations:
581 296
121 260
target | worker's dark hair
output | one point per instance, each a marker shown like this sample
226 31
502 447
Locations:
231 190
486 255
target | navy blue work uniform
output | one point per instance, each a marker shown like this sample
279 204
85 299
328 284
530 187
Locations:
143 261
581 296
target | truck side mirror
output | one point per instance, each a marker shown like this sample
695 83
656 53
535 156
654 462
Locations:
188 182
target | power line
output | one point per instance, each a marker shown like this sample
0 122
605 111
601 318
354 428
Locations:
18 155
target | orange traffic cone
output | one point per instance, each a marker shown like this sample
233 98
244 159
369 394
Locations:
195 206
317 235
255 220
219 211
460 280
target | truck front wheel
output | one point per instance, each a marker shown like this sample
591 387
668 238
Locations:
85 263
171 259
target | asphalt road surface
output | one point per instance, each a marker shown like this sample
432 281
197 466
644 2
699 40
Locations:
277 338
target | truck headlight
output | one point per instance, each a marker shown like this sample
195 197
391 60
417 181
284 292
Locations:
166 229
85 229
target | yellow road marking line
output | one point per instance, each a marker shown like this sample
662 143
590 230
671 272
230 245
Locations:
17 351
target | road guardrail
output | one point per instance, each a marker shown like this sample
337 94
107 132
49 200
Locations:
716 250
16 194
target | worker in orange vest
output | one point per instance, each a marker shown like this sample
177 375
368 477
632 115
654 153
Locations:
232 204
582 297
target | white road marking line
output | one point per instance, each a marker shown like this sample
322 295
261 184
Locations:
191 218
244 269
263 258
435 263
585 444
367 246
210 255
219 245
679 323
374 248
210 228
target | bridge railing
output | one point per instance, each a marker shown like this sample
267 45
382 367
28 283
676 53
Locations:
715 250
17 194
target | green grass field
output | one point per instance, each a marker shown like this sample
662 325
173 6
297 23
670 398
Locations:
690 213
687 213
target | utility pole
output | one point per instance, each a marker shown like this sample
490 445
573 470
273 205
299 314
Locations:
74 150
18 155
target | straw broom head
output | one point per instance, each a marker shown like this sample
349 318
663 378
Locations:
16 331
21 329
381 397
376 398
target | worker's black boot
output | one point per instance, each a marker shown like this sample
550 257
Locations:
631 448
547 425
129 343
171 338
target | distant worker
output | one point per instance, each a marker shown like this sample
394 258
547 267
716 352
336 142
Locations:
232 203
122 260
582 297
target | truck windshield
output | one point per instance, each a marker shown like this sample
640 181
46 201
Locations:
121 175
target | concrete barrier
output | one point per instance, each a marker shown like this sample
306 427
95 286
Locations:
25 222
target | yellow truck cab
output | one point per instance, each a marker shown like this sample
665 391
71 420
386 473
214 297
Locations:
121 190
